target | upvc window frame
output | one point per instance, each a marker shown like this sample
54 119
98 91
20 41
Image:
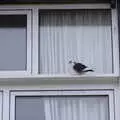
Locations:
33 32
109 93
28 45
114 31
1 105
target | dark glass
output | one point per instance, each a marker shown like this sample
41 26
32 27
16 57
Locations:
53 1
13 42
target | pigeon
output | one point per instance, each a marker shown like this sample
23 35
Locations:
80 68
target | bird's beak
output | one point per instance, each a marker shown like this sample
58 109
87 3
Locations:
70 62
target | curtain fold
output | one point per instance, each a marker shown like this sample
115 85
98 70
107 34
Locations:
76 108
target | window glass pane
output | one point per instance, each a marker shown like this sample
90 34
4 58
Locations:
13 49
62 108
82 36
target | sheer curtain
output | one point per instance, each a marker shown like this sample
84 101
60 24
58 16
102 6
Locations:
81 35
62 108
76 108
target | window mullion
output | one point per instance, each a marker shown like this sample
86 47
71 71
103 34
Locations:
5 104
29 27
111 106
35 27
12 106
115 42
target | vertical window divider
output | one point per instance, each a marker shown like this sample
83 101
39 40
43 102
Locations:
117 103
5 104
12 106
35 29
111 106
115 42
29 40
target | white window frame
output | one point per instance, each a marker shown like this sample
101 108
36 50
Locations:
115 54
33 62
28 70
1 105
14 94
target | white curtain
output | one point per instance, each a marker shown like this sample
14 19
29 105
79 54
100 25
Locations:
76 108
62 108
82 36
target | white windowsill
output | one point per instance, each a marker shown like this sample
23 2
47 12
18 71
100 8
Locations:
27 79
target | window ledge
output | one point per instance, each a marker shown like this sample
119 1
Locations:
51 79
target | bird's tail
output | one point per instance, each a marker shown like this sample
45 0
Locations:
90 70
